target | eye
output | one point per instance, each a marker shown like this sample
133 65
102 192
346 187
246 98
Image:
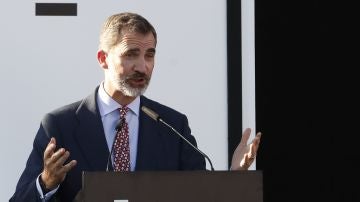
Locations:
131 53
150 55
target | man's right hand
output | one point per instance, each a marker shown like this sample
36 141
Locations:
54 169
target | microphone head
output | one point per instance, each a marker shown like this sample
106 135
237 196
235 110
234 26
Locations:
150 113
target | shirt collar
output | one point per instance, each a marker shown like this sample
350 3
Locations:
108 105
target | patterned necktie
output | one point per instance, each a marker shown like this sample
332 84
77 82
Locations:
121 144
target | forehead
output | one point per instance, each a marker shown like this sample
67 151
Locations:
136 40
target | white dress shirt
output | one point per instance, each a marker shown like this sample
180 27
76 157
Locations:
110 114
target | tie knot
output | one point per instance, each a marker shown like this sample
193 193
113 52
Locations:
123 111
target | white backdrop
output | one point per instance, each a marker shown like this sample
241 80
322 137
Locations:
47 62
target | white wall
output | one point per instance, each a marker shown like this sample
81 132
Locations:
47 62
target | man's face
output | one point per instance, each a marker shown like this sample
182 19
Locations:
130 63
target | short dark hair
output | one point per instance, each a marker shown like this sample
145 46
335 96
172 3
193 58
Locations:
114 26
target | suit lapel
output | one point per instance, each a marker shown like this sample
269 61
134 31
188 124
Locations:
150 153
90 133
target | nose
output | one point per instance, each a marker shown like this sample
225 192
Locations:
141 65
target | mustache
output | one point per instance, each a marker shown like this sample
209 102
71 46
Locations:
137 75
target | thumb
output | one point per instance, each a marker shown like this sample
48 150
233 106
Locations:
245 136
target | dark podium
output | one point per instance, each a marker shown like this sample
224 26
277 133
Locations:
172 186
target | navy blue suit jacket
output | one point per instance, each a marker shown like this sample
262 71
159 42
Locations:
78 128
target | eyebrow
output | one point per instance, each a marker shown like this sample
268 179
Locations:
133 50
152 50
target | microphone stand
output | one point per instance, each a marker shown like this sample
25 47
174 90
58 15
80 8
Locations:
157 118
202 153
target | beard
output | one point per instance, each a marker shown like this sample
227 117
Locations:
122 84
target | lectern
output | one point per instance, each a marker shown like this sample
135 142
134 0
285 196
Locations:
172 186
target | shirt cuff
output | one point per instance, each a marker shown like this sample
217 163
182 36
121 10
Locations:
48 195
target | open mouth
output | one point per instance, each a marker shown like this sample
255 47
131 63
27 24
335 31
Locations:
137 82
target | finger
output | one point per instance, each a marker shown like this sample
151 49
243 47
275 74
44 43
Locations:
258 137
57 155
255 144
245 136
250 160
256 140
60 159
49 150
67 167
253 151
52 140
247 161
244 162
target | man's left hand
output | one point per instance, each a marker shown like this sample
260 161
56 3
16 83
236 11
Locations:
244 155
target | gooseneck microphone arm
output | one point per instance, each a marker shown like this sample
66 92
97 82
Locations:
202 153
157 118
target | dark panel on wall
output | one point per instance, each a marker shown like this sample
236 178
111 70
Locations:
300 101
234 75
55 9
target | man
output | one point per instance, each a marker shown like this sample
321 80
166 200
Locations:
90 130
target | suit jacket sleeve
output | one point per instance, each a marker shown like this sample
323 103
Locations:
26 187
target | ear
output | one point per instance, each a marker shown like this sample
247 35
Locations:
101 56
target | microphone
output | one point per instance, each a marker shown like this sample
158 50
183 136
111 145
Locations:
157 118
118 127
